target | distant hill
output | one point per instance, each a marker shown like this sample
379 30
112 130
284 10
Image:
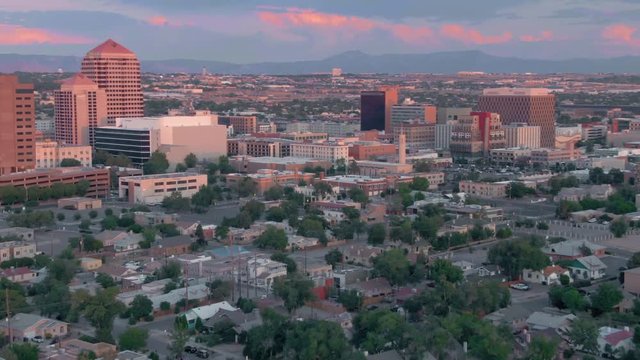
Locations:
350 62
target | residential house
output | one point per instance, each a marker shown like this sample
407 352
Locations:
514 316
597 192
542 320
75 347
361 254
612 340
297 242
373 291
550 275
318 271
261 272
129 243
171 246
109 237
16 249
90 264
206 312
488 270
573 249
386 355
346 275
28 326
466 266
587 268
632 281
116 272
130 355
196 292
187 227
242 322
18 275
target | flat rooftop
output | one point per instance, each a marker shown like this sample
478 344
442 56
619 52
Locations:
163 176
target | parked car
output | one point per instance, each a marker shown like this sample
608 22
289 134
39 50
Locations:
190 349
520 286
37 339
202 354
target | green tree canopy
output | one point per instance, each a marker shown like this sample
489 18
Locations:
133 339
157 164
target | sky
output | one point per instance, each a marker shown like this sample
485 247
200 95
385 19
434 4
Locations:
248 31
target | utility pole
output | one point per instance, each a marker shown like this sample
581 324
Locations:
8 309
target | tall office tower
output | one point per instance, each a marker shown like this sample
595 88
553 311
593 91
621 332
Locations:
522 135
372 110
534 107
404 113
17 125
474 135
116 70
390 99
80 107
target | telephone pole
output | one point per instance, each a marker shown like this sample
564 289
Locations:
8 309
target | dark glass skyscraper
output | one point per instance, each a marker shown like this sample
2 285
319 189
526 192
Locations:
372 110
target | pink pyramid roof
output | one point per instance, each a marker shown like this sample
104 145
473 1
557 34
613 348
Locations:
78 79
110 47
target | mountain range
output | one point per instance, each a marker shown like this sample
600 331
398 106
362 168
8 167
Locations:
350 62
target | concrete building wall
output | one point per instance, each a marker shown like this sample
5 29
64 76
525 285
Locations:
152 189
17 125
522 135
49 154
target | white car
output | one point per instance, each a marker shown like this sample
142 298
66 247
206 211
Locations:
37 339
520 286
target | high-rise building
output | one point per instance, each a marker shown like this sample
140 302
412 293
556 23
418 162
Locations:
241 124
116 70
17 125
535 107
417 136
522 135
406 113
444 115
390 99
443 135
372 110
80 107
476 134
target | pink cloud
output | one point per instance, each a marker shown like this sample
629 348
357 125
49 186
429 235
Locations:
20 35
472 36
543 36
308 18
621 34
158 20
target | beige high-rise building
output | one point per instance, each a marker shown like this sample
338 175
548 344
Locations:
116 70
522 135
80 107
17 125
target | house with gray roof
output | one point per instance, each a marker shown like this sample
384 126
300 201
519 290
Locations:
587 268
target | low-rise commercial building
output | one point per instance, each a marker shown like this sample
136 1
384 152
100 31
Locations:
241 124
98 179
371 186
152 189
259 147
521 135
366 150
510 156
330 151
49 154
249 164
79 203
265 179
553 156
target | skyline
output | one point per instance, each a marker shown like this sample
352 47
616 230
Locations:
256 31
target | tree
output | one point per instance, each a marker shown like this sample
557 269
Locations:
283 258
444 270
294 290
62 270
605 298
584 335
393 266
190 160
419 184
133 339
619 227
179 337
176 202
85 224
565 208
67 162
25 351
272 238
220 289
101 309
541 349
273 193
566 298
106 281
157 164
504 233
277 214
316 339
350 299
377 234
140 307
246 305
322 189
518 190
634 261
515 255
170 270
403 232
333 257
379 330
358 195
247 187
109 223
